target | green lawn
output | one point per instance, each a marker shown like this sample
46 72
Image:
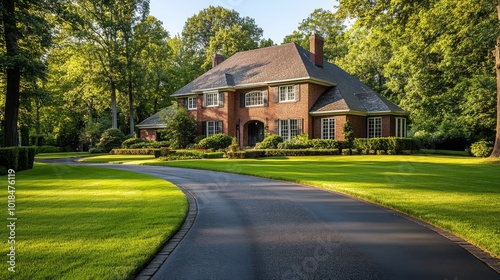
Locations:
64 155
78 222
131 159
459 194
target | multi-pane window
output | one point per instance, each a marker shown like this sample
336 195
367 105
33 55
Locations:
287 93
211 99
191 103
328 128
374 127
290 128
254 98
213 127
401 127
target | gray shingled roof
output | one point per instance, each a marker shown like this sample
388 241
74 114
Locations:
154 121
290 62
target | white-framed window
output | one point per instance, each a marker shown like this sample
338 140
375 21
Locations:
254 98
287 93
328 128
290 128
213 127
191 103
211 99
401 127
374 127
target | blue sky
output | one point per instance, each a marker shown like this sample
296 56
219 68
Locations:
277 18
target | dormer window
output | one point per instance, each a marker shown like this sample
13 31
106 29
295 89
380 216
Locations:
254 98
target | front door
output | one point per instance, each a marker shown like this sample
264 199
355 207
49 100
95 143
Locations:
255 133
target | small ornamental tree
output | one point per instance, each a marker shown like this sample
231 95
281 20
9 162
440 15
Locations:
181 129
111 138
348 134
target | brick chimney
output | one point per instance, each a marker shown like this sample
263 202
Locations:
316 49
217 59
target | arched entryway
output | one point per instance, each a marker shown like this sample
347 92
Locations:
255 132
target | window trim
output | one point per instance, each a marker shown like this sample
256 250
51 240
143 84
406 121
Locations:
375 135
255 92
288 123
189 107
404 129
287 94
216 100
334 132
217 126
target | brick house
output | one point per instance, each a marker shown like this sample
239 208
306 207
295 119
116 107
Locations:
289 91
148 128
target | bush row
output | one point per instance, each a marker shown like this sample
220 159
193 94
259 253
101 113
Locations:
282 152
385 144
133 151
16 158
48 149
186 154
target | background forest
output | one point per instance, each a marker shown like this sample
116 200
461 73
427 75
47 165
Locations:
89 65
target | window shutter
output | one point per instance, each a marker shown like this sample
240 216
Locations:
276 91
277 127
204 128
204 104
185 103
297 92
300 127
220 127
265 95
242 100
221 99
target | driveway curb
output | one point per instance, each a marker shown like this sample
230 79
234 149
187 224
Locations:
162 255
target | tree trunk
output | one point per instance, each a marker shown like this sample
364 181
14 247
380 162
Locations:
114 115
13 74
496 148
131 107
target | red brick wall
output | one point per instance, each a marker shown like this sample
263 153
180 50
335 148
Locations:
358 124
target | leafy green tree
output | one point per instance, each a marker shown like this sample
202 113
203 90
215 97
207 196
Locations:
328 26
181 129
205 31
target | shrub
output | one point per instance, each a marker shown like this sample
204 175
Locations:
133 151
281 152
270 142
383 144
181 128
127 143
214 155
149 145
216 142
325 144
9 157
110 139
481 148
97 151
48 149
23 159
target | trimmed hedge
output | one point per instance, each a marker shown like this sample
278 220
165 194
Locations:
133 151
216 142
281 152
149 145
386 143
131 141
48 149
16 158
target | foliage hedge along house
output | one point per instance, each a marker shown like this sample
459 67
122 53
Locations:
289 91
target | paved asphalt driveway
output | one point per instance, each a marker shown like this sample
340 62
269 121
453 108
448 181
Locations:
253 228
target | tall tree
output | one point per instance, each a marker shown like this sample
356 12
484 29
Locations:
26 37
201 31
327 25
496 148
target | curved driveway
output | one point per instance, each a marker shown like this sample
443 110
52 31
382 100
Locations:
254 228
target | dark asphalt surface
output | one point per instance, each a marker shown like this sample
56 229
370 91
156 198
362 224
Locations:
254 228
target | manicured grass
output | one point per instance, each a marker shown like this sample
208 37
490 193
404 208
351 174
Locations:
63 155
117 158
459 194
79 222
